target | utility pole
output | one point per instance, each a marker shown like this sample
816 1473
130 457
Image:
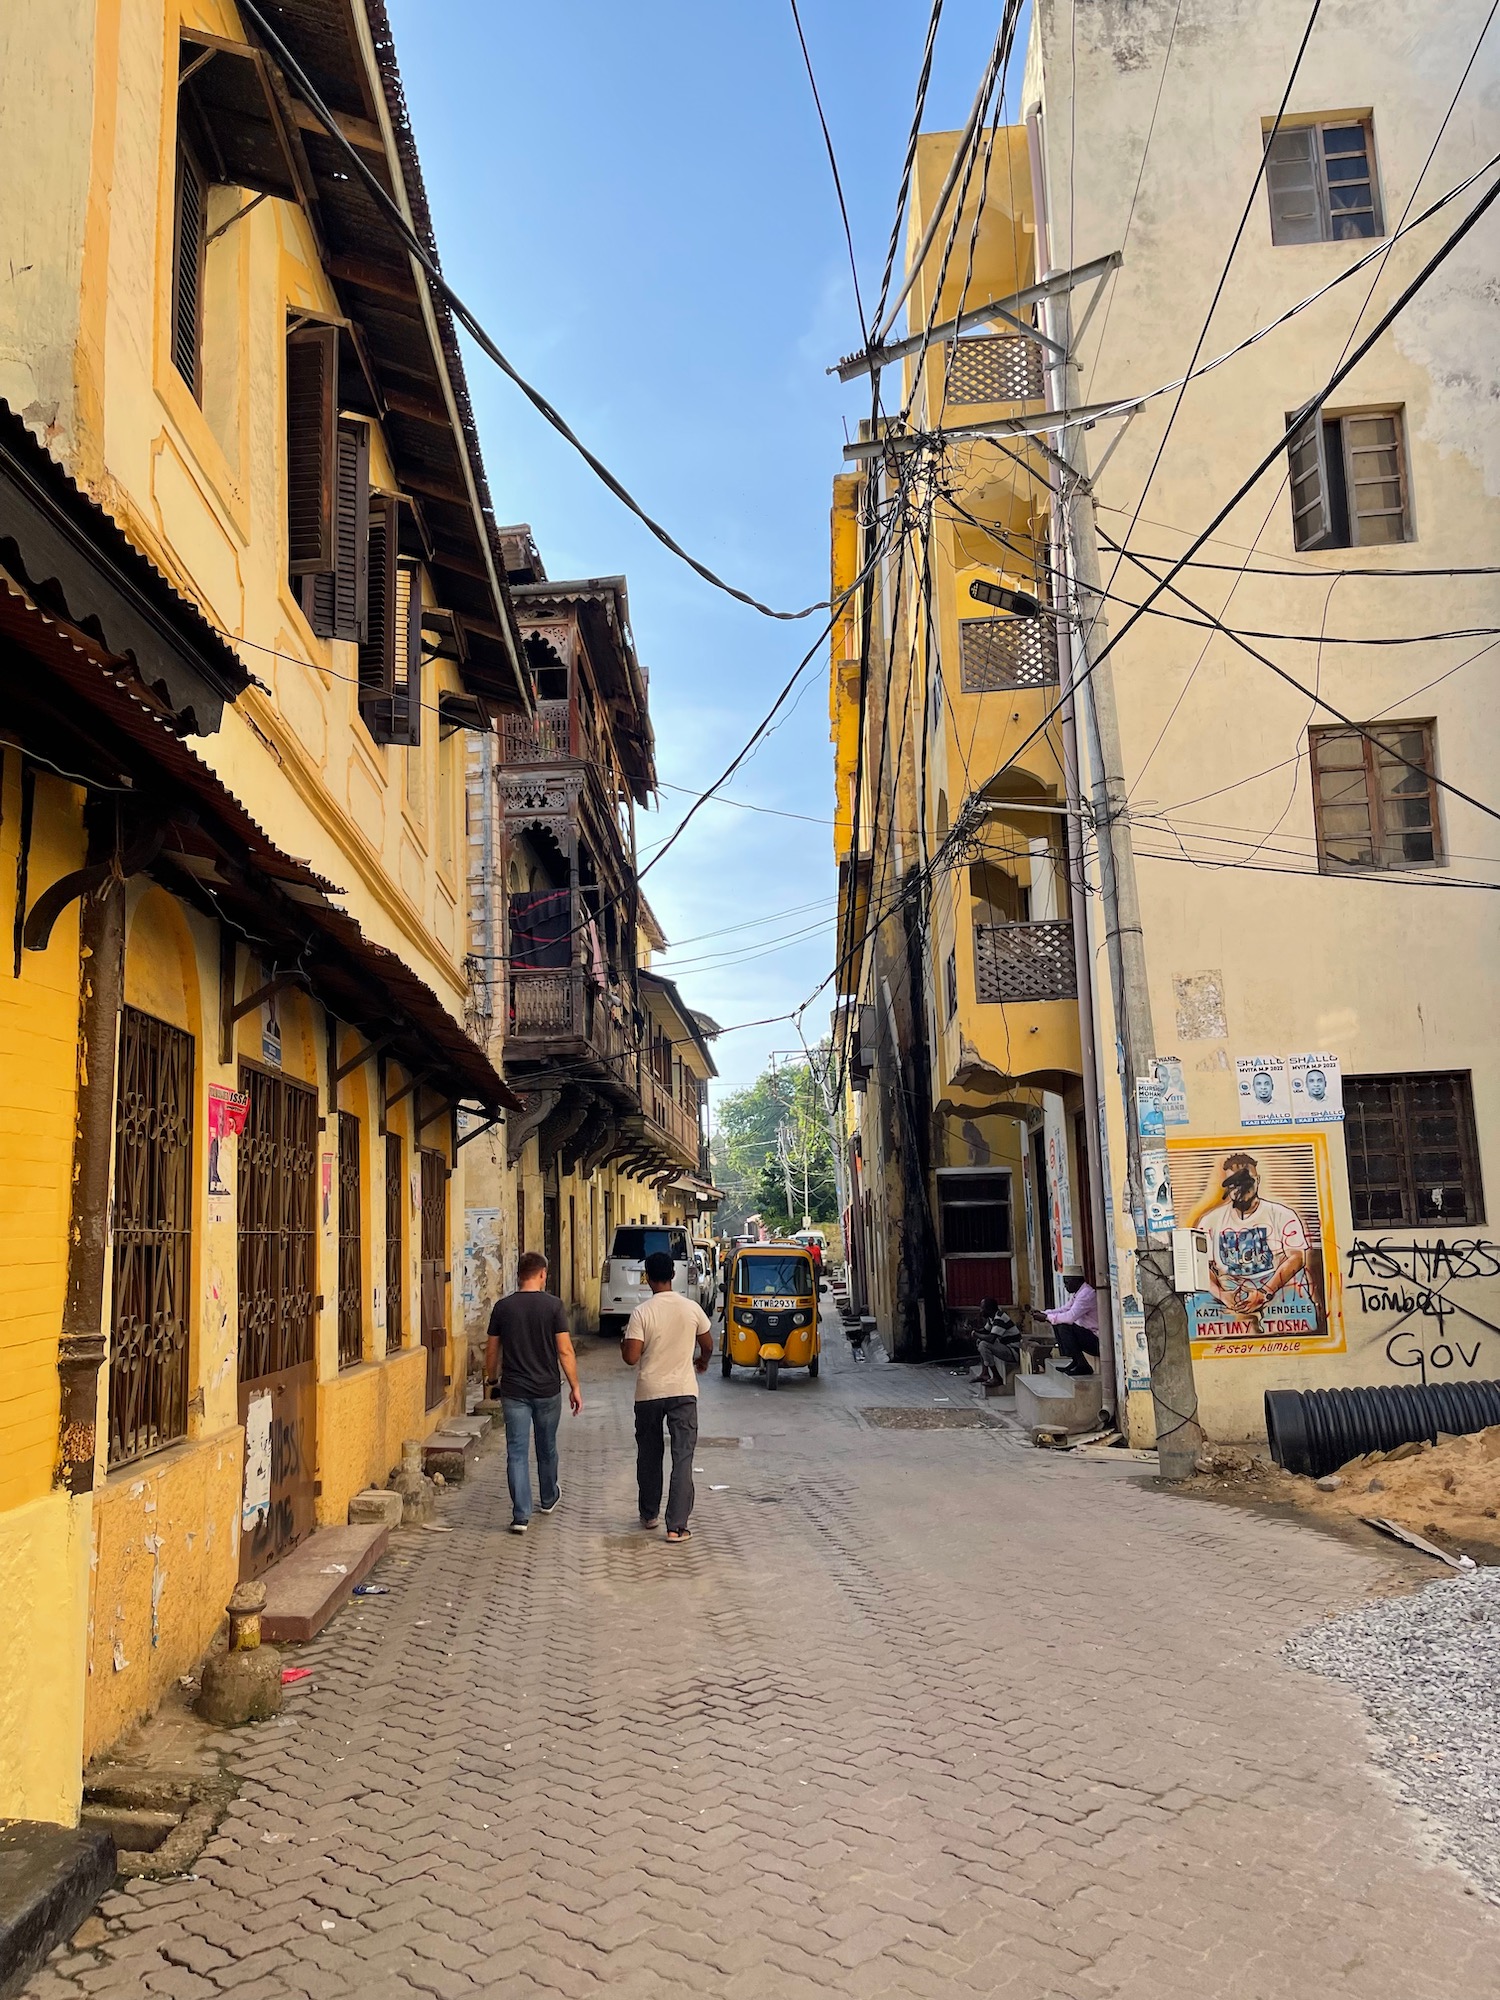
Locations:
1173 1391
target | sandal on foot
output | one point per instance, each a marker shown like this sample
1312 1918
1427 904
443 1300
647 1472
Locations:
655 1522
679 1534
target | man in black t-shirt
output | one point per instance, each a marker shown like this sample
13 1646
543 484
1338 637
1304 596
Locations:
529 1350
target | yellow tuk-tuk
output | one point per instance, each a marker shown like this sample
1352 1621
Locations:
770 1310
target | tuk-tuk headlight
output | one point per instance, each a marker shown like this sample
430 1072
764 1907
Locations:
744 1320
799 1319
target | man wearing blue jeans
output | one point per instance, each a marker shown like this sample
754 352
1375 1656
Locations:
528 1352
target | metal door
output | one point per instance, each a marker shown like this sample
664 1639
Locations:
278 1159
435 1274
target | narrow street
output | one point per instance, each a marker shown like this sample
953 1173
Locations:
873 1732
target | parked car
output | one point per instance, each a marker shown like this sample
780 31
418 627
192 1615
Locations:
622 1283
813 1243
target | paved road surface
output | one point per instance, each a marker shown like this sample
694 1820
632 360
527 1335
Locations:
916 1712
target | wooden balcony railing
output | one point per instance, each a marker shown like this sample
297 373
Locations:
543 739
1020 962
675 1120
563 1006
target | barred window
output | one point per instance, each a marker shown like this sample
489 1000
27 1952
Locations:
148 1356
395 1245
351 1262
1413 1150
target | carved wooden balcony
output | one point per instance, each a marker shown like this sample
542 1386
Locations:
562 1012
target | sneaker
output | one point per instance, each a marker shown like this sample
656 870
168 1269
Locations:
519 1527
553 1505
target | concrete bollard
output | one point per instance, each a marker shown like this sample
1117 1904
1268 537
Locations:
244 1683
415 1491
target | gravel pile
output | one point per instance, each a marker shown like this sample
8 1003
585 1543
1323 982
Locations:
1428 1670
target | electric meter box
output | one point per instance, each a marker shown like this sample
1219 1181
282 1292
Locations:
1189 1260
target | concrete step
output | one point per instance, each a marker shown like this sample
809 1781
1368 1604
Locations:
1059 1402
50 1878
476 1424
306 1588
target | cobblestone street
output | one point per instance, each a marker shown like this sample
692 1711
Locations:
918 1711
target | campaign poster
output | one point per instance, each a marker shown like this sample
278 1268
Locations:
1156 1186
1265 1096
1317 1090
1167 1070
1150 1114
1059 1200
1266 1207
227 1112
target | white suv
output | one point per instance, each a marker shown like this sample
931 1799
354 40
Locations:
622 1283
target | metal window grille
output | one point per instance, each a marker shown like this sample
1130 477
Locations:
278 1162
999 653
351 1273
1020 962
1413 1150
148 1357
395 1245
435 1274
995 368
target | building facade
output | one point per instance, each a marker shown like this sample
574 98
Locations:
252 602
1283 762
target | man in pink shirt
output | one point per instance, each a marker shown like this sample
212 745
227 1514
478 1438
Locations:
1077 1323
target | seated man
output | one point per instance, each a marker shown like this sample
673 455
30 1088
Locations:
1076 1324
998 1341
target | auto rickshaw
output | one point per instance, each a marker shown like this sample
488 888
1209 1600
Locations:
770 1311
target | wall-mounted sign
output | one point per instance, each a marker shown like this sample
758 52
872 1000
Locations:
1265 1093
1317 1090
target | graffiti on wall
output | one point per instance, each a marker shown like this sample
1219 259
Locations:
1434 1332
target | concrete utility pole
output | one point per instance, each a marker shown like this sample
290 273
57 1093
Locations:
1173 1391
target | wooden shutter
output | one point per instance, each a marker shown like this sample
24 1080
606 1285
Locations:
337 601
377 659
1312 509
1292 185
189 241
312 375
406 695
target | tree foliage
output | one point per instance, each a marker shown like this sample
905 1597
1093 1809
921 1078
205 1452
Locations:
772 1137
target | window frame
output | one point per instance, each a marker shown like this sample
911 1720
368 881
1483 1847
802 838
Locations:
1470 1170
189 165
1317 127
1374 799
1313 427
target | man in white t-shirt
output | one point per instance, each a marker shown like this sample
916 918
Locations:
1256 1248
670 1338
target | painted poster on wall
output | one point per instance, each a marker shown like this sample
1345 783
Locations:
1317 1090
1265 1095
1059 1201
257 1501
1266 1207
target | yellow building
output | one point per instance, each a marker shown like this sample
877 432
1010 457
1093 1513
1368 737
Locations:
252 599
958 978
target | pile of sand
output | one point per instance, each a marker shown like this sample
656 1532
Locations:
1448 1491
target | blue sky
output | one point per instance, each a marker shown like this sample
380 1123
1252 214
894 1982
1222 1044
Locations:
636 202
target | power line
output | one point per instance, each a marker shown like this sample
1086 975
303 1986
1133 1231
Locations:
418 249
924 76
838 185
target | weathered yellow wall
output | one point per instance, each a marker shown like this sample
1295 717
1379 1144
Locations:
39 1054
166 1554
44 1582
364 1416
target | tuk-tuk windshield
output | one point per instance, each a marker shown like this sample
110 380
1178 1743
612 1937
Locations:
768 1276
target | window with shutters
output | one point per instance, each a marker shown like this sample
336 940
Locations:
189 251
336 601
1413 1151
390 656
1348 480
312 444
950 983
1320 180
1374 799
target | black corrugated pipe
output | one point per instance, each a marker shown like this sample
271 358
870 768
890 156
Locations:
1317 1430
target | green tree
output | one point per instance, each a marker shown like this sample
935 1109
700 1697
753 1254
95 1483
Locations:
773 1138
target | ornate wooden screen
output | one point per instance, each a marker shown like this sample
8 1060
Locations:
395 1244
351 1262
435 1274
995 368
998 654
1020 962
277 1260
148 1355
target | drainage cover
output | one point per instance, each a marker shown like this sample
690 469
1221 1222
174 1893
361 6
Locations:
899 1417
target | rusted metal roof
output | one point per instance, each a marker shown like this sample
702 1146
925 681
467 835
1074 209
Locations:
101 723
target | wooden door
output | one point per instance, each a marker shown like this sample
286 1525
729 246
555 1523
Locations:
278 1391
435 1274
